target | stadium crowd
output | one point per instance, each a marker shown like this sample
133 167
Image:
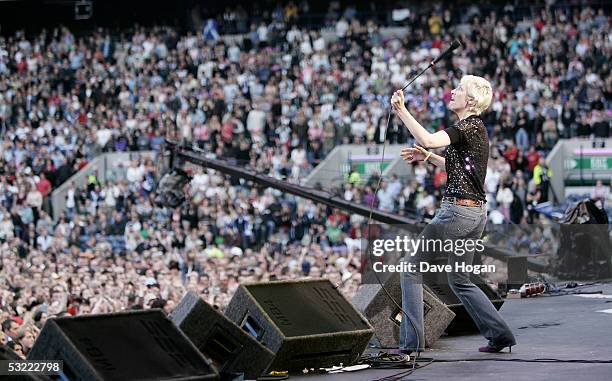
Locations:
278 102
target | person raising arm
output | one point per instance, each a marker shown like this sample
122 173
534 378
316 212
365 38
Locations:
462 214
461 103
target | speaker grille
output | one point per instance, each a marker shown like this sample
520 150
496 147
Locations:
121 346
306 308
333 301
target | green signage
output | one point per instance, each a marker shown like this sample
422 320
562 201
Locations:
370 168
596 163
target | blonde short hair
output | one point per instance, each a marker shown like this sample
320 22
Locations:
478 89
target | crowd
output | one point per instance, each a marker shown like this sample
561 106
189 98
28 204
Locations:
278 102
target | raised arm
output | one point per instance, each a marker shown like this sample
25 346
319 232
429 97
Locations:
423 137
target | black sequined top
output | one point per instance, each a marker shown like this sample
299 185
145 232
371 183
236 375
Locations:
466 159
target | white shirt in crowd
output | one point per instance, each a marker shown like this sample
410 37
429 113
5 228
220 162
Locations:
342 27
110 195
6 228
103 135
70 201
319 44
200 181
505 196
385 198
298 156
492 180
419 173
135 173
44 242
426 202
255 123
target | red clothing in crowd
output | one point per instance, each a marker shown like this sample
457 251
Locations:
440 179
539 24
338 217
22 66
511 155
44 186
532 160
227 131
82 118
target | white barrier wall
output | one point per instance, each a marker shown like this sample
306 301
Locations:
104 167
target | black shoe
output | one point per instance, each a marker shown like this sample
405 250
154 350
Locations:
494 348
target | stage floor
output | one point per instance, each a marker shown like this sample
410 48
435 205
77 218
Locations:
568 327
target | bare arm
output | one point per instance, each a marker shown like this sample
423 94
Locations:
437 160
418 153
423 137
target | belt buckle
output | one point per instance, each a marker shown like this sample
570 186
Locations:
477 202
468 202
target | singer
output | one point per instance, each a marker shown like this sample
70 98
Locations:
463 212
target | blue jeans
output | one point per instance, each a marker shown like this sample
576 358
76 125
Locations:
522 139
451 222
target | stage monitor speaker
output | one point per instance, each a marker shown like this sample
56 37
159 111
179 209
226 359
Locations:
135 345
231 349
585 249
385 316
306 323
517 272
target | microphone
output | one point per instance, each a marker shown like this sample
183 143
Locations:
454 45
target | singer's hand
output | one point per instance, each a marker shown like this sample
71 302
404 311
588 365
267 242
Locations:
411 155
397 101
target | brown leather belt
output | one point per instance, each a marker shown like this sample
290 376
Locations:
463 201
